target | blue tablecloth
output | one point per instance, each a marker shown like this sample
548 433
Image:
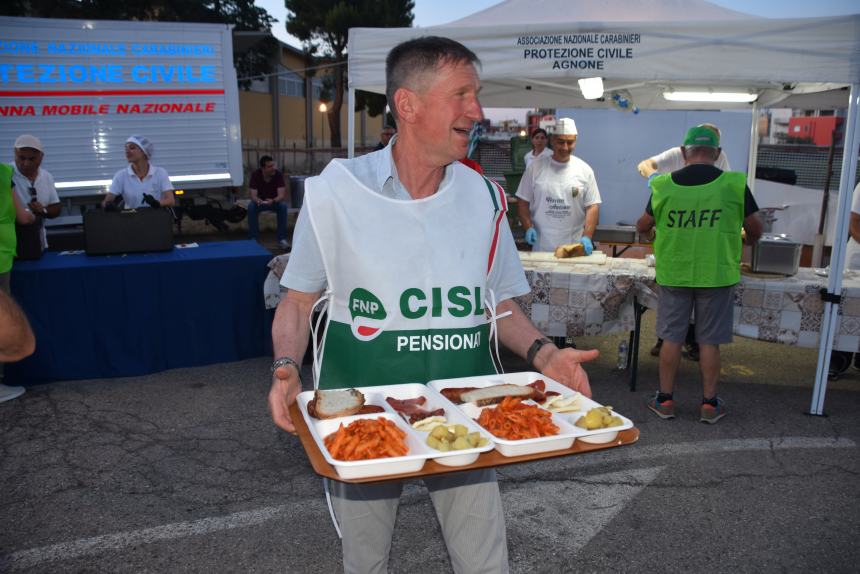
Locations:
124 315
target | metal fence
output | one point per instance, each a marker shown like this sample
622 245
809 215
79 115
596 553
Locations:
809 163
294 161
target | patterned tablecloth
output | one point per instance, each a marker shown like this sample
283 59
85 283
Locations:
586 300
575 300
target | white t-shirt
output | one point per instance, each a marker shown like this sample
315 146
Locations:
558 195
305 271
46 191
672 160
132 188
852 254
530 156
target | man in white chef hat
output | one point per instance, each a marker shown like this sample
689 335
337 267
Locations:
558 197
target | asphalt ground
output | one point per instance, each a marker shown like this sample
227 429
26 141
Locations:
182 471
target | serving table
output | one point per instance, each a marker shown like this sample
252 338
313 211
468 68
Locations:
125 315
587 300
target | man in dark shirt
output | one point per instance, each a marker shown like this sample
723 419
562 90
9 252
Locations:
268 193
385 137
698 211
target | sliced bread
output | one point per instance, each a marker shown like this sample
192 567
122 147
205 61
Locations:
495 394
569 250
340 403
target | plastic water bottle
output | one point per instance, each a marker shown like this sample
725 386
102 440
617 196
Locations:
622 356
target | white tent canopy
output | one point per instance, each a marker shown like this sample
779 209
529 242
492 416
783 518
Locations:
536 64
533 51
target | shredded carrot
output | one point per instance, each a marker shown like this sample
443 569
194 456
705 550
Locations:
512 420
365 439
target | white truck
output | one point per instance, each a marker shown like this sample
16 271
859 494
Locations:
84 86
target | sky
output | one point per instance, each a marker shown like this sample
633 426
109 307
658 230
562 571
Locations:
436 12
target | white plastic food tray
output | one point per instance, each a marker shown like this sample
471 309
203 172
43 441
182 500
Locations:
452 414
567 432
416 440
596 436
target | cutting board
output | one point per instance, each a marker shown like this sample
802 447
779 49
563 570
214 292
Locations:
596 258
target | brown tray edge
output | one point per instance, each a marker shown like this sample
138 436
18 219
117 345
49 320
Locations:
486 460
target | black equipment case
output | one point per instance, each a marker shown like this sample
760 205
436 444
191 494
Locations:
130 231
29 238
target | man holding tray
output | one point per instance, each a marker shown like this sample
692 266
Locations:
411 252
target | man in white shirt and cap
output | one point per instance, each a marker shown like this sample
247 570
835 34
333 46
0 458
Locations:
558 197
34 185
672 159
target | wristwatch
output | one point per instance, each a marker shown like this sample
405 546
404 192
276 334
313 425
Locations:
533 350
286 361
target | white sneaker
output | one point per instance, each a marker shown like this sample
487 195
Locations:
8 393
284 244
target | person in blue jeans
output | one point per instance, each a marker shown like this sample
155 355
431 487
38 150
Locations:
268 193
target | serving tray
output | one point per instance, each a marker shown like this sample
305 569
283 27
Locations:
434 464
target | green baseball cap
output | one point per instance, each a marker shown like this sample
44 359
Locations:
700 135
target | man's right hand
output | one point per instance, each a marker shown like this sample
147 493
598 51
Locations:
285 388
531 236
646 168
151 201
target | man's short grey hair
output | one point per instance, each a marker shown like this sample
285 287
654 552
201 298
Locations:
409 60
703 150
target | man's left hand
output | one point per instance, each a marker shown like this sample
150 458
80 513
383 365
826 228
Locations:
565 366
587 244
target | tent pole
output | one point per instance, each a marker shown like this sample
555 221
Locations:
350 123
830 317
753 153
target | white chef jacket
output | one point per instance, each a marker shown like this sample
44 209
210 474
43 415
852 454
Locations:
131 188
672 160
530 157
558 195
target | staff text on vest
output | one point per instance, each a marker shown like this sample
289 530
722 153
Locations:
693 218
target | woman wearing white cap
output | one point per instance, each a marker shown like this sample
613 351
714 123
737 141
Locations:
141 183
558 195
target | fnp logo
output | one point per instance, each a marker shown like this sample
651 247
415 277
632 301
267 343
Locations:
368 314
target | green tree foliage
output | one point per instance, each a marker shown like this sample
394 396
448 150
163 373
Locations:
323 27
243 14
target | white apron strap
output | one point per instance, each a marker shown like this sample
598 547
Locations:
490 306
317 342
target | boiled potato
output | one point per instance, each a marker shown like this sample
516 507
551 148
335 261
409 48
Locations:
460 443
454 437
599 418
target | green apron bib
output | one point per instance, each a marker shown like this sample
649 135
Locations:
407 280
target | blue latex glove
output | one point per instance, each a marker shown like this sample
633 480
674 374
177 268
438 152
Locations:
587 244
531 236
